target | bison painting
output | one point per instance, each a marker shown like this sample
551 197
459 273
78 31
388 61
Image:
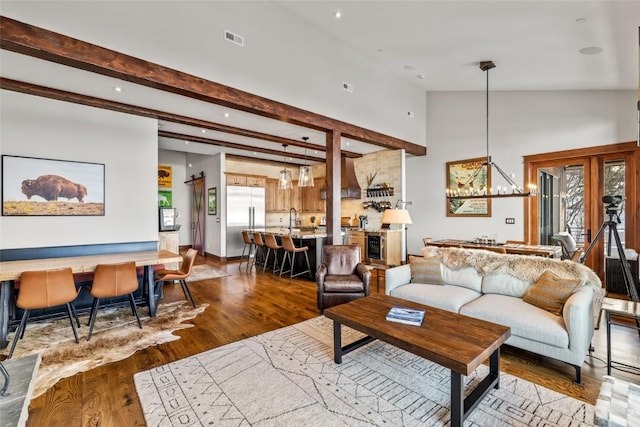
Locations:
163 173
50 187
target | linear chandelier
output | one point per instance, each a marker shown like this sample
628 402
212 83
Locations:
512 190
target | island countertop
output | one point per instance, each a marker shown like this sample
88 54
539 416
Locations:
296 233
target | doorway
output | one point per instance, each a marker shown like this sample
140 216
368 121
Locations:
572 188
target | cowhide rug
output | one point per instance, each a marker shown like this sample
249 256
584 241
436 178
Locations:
116 336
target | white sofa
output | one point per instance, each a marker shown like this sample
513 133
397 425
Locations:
491 287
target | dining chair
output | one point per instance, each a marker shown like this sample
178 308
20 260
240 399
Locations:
181 274
44 289
248 243
113 280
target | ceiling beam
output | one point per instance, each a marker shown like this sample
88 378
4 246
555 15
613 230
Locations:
40 43
76 98
227 144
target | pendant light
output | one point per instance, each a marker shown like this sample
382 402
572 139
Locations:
285 182
513 189
305 179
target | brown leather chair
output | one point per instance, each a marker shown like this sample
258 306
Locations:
43 289
113 280
341 277
271 243
290 252
181 274
258 255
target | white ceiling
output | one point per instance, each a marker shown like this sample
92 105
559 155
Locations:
535 45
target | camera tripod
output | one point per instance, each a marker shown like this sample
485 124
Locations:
612 225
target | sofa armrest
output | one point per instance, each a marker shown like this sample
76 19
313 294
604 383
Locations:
577 314
396 276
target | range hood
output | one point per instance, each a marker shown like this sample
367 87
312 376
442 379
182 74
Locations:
349 188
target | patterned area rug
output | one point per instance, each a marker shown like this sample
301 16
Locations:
204 272
287 377
116 336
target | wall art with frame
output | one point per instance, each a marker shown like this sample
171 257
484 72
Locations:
471 176
212 201
33 186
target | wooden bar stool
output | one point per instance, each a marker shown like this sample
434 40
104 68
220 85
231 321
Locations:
113 280
271 243
290 252
44 289
259 253
247 242
181 274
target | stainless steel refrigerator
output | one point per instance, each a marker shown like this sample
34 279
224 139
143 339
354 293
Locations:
245 209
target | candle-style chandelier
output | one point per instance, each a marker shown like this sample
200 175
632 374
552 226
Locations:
510 190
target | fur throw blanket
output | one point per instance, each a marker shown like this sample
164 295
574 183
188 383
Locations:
524 267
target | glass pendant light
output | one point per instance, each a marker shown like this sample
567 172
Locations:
285 182
305 179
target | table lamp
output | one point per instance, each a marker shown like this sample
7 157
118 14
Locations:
398 216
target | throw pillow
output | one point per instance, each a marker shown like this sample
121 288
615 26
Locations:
426 270
550 292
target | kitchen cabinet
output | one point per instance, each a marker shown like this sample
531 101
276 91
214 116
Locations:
255 181
278 200
356 237
238 180
311 201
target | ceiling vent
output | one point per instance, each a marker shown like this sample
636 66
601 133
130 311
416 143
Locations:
347 86
234 38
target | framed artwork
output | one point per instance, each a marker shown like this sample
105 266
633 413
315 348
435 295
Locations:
212 201
164 176
165 199
167 219
47 187
468 177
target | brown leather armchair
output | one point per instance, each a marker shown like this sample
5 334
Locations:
341 277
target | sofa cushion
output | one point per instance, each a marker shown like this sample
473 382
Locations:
550 292
446 297
426 270
505 284
525 320
465 277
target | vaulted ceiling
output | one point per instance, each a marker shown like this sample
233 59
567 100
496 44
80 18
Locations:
432 45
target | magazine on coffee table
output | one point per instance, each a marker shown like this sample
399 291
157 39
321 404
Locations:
407 315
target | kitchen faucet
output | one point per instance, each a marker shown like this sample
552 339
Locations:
292 210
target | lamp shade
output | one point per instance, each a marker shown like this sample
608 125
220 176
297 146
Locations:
396 216
305 179
285 182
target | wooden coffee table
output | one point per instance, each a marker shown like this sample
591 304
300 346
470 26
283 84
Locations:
457 342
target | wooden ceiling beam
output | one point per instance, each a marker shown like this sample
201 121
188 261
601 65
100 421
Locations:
40 43
227 144
76 98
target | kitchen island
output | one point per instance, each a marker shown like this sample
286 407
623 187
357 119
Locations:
313 238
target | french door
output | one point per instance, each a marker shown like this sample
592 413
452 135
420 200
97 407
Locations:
572 188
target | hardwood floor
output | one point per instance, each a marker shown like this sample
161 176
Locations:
243 305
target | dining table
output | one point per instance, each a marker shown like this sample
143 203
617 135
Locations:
10 271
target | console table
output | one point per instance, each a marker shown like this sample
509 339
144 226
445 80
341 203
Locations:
510 248
10 271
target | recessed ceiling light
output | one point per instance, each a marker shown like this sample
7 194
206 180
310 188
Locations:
203 130
227 114
190 165
337 14
592 50
348 143
420 76
186 143
117 89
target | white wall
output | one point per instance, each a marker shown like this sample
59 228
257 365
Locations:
520 123
38 127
